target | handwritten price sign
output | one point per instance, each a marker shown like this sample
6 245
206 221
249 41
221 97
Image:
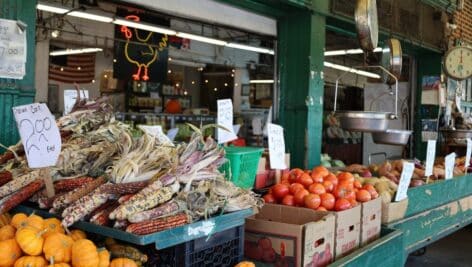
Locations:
39 134
276 146
12 50
405 179
225 119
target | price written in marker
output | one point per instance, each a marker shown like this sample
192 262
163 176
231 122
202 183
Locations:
430 154
276 146
449 162
467 154
225 119
405 179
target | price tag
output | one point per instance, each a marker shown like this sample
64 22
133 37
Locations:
430 155
41 139
257 126
236 128
225 119
70 96
12 49
467 154
405 179
172 133
449 163
156 130
276 146
269 120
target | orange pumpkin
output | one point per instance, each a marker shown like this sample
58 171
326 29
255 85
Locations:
30 240
9 252
123 262
7 232
60 264
5 219
173 106
77 235
31 261
53 225
245 264
34 221
17 219
58 247
84 254
104 257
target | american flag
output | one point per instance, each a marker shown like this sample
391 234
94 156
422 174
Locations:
77 68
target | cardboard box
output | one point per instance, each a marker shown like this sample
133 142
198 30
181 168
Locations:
394 211
265 176
348 230
289 236
370 220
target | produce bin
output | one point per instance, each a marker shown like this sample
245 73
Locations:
386 251
242 164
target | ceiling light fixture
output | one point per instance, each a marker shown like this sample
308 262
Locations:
352 52
352 70
143 26
91 16
251 48
75 51
261 81
52 9
201 38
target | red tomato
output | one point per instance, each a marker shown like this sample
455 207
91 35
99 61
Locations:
288 200
280 191
295 187
346 176
332 178
317 178
346 184
342 204
317 189
269 198
305 180
363 195
372 191
328 185
353 202
321 208
344 192
327 201
321 171
357 184
312 201
299 196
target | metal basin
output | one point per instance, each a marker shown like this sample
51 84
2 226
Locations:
392 137
363 121
457 134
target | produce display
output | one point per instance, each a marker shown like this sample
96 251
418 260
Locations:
138 184
34 241
320 189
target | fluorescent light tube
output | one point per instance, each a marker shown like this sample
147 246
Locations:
261 81
251 48
352 52
52 9
143 26
75 51
201 38
90 16
344 68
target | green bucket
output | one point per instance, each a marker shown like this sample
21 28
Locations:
242 165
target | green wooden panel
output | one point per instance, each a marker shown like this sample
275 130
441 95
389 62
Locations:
387 251
424 228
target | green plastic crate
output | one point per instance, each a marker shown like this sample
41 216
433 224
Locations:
242 164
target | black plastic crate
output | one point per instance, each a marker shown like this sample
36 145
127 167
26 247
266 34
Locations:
220 249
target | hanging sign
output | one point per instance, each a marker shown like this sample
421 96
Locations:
276 146
430 154
12 49
225 119
449 163
405 179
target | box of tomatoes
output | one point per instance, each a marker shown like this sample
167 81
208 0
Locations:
289 236
348 229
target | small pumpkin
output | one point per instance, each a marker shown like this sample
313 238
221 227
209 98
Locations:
77 235
30 240
5 219
123 262
34 221
59 247
7 232
17 219
31 261
9 252
245 264
59 264
53 225
84 254
103 257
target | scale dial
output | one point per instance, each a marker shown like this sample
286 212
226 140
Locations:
458 63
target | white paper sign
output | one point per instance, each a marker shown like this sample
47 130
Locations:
467 153
269 120
39 134
276 146
172 133
236 128
449 163
405 179
257 126
430 155
156 130
225 119
12 49
70 96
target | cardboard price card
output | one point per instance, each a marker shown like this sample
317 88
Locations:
405 179
449 162
225 119
430 155
39 134
276 146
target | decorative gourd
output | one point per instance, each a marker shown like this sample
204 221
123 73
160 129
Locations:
245 264
34 221
77 235
59 264
53 225
7 232
104 257
84 254
59 247
9 252
31 261
30 240
123 262
5 219
18 219
173 106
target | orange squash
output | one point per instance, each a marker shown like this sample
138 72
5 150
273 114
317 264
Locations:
245 264
84 254
30 240
53 225
123 262
58 247
31 261
9 252
104 257
7 232
77 235
18 219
